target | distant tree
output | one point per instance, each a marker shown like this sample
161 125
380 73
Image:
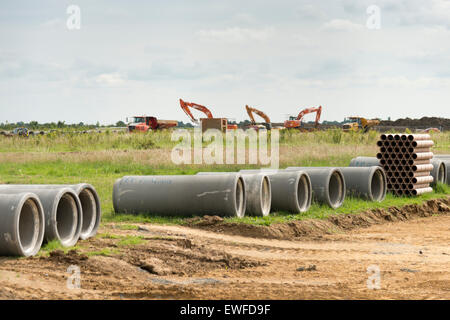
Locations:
120 124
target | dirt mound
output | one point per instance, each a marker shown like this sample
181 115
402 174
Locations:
312 228
426 122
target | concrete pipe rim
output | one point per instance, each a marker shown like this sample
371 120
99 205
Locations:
239 197
441 173
304 188
336 189
68 217
266 195
29 225
94 224
377 184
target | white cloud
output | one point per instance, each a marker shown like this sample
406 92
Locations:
342 25
236 34
110 79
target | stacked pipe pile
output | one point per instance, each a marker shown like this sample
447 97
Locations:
406 158
32 214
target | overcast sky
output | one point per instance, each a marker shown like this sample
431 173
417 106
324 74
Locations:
139 57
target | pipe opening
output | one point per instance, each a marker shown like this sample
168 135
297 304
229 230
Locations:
29 226
66 218
89 207
266 197
378 186
336 189
303 193
441 173
240 196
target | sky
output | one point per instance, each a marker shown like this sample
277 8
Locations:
140 57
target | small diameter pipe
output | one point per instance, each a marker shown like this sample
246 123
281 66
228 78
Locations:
258 193
221 195
291 191
90 204
328 184
62 211
21 224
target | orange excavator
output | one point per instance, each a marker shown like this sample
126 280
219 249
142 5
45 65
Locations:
297 122
250 112
186 105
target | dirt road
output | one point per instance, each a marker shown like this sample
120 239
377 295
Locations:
175 262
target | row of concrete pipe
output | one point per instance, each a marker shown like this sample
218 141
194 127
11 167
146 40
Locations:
440 170
31 215
248 192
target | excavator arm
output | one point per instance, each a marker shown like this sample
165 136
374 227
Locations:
186 105
250 112
298 121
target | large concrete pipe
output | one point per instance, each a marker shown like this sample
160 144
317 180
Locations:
364 162
291 191
21 224
222 195
439 172
442 156
447 169
257 191
89 199
328 184
62 211
365 182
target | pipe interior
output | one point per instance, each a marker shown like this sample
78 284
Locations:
377 186
66 218
266 197
29 225
89 207
441 173
240 194
335 189
303 193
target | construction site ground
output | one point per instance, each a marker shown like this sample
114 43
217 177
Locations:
311 259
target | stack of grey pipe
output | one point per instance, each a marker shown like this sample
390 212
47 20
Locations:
248 192
32 214
407 160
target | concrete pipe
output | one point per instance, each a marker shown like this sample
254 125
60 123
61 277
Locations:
90 204
21 224
364 162
422 144
258 193
447 169
417 192
62 211
328 184
442 156
365 182
439 172
222 195
291 191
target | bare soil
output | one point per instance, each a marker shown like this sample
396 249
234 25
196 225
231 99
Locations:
311 259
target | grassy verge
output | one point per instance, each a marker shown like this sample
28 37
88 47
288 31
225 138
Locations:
101 159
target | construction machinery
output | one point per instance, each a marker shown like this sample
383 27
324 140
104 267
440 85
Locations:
186 105
298 122
359 123
267 124
147 123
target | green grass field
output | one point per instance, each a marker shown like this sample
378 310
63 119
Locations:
100 159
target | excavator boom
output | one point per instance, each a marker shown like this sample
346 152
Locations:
186 105
298 121
250 112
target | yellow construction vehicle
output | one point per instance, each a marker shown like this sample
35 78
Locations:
359 123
